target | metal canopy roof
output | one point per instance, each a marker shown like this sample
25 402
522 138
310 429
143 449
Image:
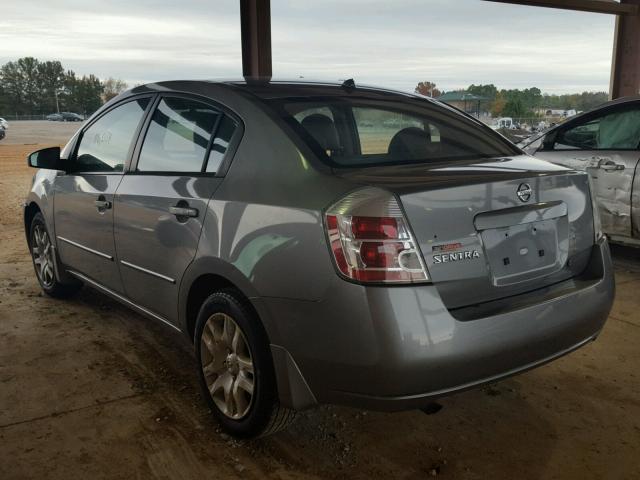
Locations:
594 6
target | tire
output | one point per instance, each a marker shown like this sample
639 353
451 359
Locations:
43 257
235 367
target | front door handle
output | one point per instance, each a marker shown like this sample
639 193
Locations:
183 211
609 165
102 204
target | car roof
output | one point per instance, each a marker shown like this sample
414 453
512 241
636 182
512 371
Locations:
293 88
273 89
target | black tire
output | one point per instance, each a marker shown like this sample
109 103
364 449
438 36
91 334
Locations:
265 415
47 278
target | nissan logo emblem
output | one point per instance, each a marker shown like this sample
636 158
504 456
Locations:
524 192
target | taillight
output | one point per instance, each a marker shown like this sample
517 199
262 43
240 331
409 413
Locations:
371 241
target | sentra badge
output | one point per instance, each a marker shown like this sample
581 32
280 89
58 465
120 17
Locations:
446 253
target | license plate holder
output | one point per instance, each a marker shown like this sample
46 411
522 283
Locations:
524 252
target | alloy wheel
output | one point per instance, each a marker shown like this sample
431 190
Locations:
42 252
227 365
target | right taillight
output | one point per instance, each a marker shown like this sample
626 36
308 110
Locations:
370 239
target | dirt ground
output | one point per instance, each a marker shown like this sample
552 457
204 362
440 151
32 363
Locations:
89 389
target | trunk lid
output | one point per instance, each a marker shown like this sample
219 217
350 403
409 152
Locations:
492 229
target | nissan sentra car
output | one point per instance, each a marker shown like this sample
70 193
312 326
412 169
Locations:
605 143
322 243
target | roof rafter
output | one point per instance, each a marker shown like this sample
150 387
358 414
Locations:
596 6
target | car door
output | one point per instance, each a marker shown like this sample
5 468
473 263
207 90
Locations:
605 145
83 200
161 202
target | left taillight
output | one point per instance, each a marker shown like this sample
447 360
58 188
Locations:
370 239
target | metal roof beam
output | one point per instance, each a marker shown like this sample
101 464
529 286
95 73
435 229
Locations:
595 6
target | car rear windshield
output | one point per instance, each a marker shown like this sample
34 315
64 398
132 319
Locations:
353 132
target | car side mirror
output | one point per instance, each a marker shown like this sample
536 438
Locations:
48 158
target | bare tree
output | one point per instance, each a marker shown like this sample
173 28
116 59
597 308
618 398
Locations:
428 89
112 88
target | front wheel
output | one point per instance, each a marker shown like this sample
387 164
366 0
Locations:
235 367
43 256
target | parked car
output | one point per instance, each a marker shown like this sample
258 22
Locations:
2 133
505 123
71 117
65 117
4 124
309 264
604 142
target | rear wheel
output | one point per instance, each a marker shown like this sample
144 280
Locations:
235 367
43 256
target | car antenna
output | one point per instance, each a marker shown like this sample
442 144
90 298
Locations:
349 85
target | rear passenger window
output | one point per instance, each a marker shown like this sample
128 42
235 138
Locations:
178 136
105 145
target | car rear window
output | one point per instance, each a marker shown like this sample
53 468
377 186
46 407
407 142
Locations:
353 132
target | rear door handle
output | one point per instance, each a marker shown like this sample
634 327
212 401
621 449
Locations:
184 211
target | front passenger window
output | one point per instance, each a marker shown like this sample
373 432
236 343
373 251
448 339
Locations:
104 146
616 131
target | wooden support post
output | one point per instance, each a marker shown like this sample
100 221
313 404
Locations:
255 30
625 67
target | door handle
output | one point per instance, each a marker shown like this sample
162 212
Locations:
102 204
183 211
609 165
591 162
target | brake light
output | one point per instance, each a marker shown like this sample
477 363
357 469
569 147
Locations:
374 227
370 239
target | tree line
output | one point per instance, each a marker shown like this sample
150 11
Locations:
32 87
521 103
29 86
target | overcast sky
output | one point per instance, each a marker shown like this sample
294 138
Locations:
394 44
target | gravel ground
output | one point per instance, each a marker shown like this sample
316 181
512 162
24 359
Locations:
89 389
32 132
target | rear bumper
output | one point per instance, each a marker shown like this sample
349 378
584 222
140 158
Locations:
397 348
